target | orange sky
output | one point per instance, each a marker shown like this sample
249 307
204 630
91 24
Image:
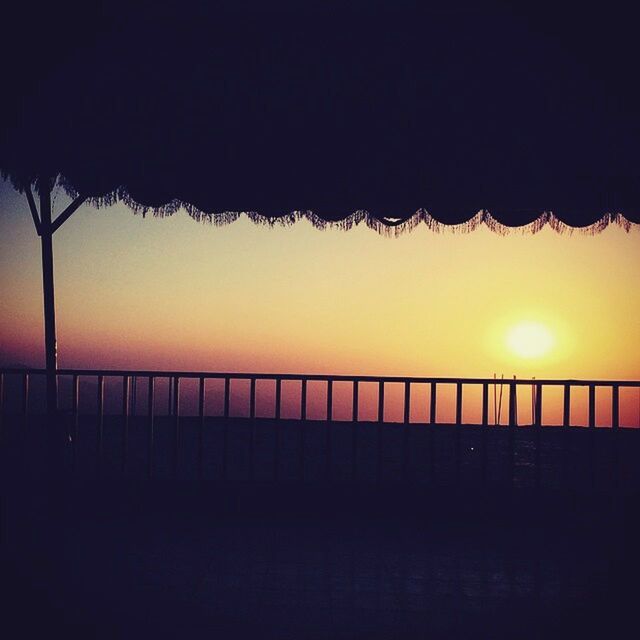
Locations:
174 294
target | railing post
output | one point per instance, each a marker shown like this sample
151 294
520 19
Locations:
25 395
150 420
1 405
125 421
301 434
379 429
537 423
276 457
432 404
405 432
100 419
176 424
74 417
615 427
592 406
566 408
134 395
615 406
252 429
201 401
485 404
483 432
354 430
458 427
513 423
225 427
328 435
432 440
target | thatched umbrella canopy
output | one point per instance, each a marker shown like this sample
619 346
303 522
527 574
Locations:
337 112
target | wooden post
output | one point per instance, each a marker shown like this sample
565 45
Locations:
46 243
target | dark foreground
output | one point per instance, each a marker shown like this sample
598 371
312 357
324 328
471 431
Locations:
125 557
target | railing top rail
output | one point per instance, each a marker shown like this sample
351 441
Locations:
237 375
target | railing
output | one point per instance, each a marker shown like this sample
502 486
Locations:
129 404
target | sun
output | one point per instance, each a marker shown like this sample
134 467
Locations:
530 340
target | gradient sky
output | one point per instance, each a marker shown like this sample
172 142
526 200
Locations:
172 293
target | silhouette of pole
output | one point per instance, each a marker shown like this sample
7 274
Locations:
46 240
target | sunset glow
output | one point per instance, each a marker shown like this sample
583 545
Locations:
530 340
170 293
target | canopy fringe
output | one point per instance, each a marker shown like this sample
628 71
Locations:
386 226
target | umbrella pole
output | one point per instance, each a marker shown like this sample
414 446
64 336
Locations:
46 241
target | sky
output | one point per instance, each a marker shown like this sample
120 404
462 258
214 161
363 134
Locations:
174 294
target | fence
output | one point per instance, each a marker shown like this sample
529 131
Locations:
15 390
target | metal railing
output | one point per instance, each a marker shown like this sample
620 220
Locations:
129 379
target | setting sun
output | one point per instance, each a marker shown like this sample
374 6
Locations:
530 340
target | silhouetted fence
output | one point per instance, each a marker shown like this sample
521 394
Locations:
15 401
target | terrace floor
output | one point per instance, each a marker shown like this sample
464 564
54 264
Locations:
120 556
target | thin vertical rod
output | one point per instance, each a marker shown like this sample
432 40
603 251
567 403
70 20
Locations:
432 404
225 427
354 430
201 400
513 405
328 426
433 399
276 457
134 395
252 431
457 429
485 404
74 413
150 420
615 427
537 423
25 394
615 406
301 434
458 403
227 385
379 429
513 423
566 408
483 432
405 430
125 421
592 406
100 418
278 407
176 423
1 401
303 399
537 406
